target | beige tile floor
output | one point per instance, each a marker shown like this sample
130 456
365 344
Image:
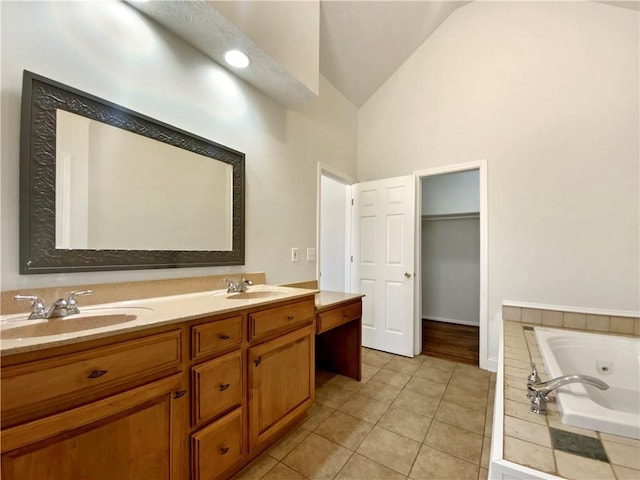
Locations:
410 418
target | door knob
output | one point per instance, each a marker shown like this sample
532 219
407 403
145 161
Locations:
408 275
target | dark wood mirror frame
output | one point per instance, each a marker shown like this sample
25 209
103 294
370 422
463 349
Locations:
38 254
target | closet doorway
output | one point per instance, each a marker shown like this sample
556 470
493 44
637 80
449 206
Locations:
450 265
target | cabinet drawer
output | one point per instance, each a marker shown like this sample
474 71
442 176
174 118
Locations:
265 322
71 378
338 316
212 337
217 447
217 386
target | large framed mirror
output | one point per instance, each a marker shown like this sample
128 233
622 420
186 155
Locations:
105 188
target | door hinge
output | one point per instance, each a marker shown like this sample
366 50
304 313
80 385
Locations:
351 258
352 202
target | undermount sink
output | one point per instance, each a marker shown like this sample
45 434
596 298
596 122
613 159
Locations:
248 295
88 320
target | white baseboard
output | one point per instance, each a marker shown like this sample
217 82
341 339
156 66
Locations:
452 320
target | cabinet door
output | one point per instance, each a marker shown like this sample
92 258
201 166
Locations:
127 436
281 384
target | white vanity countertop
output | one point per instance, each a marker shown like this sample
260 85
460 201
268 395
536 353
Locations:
150 312
326 299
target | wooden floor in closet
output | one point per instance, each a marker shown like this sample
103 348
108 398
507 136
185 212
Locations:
459 343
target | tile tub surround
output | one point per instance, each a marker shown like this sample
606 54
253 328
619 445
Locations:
408 419
573 320
545 443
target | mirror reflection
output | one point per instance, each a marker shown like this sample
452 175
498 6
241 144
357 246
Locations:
103 187
119 190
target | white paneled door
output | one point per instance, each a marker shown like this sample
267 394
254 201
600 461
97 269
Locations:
383 262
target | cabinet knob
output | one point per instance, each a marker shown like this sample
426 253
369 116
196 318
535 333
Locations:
224 386
222 336
97 373
257 360
179 394
290 317
223 450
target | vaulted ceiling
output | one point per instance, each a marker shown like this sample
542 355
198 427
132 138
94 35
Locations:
362 43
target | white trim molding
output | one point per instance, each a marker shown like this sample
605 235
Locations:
482 166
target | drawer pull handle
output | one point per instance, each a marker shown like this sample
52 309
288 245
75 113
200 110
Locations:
223 450
97 373
179 394
257 360
222 336
291 317
224 386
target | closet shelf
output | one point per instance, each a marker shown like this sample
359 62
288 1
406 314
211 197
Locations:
452 216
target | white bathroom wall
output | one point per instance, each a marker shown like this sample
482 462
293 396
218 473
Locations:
451 270
447 193
110 50
547 92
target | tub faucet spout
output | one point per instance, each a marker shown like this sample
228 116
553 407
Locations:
551 385
538 391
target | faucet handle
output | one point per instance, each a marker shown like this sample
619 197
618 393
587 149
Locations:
231 285
72 302
72 295
38 310
244 283
533 378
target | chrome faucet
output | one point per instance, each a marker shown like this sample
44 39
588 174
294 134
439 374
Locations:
539 390
38 310
61 307
240 286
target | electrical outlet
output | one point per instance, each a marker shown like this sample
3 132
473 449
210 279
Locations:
311 254
294 254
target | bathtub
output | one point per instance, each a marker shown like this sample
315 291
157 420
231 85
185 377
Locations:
613 359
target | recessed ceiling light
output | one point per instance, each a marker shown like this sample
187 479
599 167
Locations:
236 58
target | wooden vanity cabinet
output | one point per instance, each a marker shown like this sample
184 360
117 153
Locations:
197 400
247 390
217 387
281 370
41 387
218 448
129 434
218 413
339 329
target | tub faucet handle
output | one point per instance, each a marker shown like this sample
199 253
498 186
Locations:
533 378
538 394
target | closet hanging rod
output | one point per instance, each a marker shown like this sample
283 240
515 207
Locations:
451 216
